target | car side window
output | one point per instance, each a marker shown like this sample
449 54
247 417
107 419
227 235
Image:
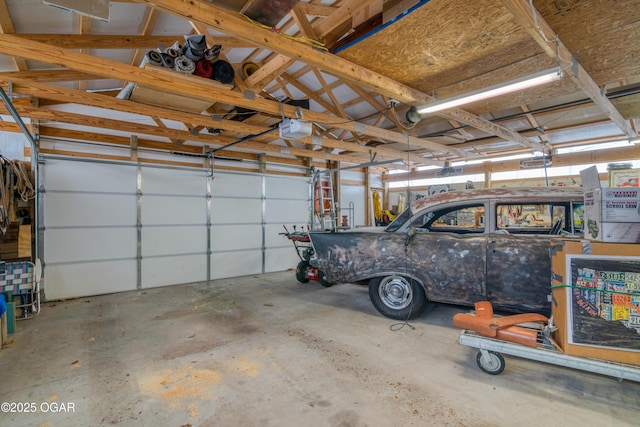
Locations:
533 218
459 219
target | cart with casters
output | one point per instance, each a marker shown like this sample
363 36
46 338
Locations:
490 360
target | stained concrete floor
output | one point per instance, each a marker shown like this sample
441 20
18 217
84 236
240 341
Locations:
267 351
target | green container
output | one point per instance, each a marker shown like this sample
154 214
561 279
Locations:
11 317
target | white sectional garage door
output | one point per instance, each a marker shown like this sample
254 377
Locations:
89 228
109 227
174 226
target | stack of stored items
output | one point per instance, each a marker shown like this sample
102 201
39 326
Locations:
192 58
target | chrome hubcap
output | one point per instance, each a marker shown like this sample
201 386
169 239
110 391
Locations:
395 292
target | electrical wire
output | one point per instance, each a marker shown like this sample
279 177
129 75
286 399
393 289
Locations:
358 120
400 122
397 326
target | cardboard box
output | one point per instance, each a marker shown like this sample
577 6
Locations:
595 297
611 215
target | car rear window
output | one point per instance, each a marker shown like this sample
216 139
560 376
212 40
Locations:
533 218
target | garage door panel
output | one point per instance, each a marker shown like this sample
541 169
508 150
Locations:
89 244
90 278
287 211
173 181
84 209
286 187
272 238
281 259
234 237
236 185
234 264
164 271
234 211
173 210
89 176
173 240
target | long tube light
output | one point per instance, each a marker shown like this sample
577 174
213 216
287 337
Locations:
521 83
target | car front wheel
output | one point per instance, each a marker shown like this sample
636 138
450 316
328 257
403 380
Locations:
397 297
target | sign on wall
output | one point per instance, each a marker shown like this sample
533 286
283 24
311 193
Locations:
604 305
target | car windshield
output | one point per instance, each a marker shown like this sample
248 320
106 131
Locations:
399 221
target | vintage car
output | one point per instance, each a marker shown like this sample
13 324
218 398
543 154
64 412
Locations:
458 247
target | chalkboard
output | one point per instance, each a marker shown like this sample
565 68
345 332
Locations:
604 307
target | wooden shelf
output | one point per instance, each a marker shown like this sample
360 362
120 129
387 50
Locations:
169 99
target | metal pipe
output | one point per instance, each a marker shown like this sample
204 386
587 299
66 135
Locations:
34 160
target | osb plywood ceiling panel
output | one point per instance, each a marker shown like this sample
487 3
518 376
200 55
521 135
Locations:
603 35
445 42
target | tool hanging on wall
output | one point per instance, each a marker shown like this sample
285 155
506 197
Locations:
15 180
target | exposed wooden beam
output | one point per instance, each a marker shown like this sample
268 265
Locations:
122 41
196 87
232 24
298 15
49 75
308 92
6 27
268 72
101 101
341 16
315 9
549 41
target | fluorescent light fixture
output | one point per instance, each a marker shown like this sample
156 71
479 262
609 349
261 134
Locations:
593 147
521 83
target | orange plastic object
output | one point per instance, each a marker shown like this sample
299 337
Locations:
502 328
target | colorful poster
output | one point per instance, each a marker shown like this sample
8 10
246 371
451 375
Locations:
605 301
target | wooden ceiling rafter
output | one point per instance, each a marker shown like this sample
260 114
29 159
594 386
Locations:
537 27
135 128
122 41
533 122
470 139
315 9
160 123
7 27
233 25
101 101
58 75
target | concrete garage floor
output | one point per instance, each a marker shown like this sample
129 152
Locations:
267 351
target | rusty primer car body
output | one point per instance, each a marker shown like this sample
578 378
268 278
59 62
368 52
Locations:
458 247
